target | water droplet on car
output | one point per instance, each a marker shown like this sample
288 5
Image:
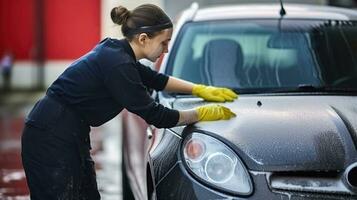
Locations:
259 103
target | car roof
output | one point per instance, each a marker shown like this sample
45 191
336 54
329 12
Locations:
271 11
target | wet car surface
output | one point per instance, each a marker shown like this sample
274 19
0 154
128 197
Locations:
295 134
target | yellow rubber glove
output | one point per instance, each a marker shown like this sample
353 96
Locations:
210 93
213 112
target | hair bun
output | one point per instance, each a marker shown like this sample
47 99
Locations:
119 15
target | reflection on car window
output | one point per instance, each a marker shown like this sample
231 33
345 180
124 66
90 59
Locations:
267 54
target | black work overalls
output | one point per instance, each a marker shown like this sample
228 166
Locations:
55 153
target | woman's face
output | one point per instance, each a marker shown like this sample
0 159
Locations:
157 45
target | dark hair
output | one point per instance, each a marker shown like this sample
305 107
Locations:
147 18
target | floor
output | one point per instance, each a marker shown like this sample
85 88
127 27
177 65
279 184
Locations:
105 149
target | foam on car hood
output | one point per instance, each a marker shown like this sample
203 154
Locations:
288 133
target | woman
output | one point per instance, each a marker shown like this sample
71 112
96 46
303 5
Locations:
93 90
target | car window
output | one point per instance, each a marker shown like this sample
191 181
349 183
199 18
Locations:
266 53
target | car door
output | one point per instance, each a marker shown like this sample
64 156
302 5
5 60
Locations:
135 153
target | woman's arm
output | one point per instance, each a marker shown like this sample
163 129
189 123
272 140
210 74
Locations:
179 86
208 93
187 117
203 113
209 112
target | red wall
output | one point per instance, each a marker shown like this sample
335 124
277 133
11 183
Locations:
17 27
71 28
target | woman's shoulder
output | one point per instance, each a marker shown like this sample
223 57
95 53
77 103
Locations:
113 51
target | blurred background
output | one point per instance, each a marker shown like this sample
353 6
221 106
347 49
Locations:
44 36
38 40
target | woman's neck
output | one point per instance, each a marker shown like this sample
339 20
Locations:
137 51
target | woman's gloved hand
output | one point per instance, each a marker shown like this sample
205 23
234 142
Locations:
210 93
213 112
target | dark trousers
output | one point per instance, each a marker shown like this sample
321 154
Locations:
55 154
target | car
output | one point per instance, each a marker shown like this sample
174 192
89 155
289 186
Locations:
295 133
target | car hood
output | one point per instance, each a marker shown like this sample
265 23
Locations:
288 133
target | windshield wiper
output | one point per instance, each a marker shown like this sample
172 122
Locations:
302 88
326 88
311 88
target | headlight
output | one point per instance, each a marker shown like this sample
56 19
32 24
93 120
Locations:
216 164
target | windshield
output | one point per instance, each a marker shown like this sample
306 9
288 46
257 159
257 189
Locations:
249 54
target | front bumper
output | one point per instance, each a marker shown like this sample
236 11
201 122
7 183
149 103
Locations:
178 184
173 181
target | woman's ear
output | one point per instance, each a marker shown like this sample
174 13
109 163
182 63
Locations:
142 38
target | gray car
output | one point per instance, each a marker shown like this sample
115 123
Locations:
295 134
